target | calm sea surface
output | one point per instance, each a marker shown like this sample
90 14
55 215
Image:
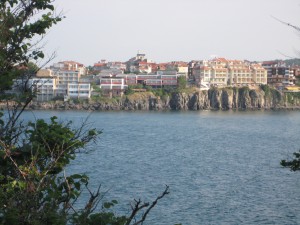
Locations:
222 167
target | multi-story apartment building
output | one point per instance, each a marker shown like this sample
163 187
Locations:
140 64
117 66
143 67
99 66
239 73
259 74
202 75
103 65
181 68
211 73
112 86
129 79
65 77
69 66
223 72
62 80
43 87
79 90
159 80
279 75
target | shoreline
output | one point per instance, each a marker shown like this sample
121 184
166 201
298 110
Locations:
241 99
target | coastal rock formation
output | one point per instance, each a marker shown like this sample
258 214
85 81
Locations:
213 99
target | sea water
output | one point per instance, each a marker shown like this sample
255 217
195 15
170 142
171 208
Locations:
221 167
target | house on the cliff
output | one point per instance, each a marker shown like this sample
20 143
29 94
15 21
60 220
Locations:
61 80
222 72
279 74
161 79
111 87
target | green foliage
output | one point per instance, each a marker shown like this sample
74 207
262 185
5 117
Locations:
243 90
276 94
34 188
289 98
104 99
181 82
103 218
266 89
97 89
292 97
271 91
58 98
17 29
298 81
293 164
78 100
161 92
130 89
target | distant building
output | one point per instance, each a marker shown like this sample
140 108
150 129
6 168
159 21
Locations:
65 77
69 66
99 66
158 80
279 74
259 74
44 73
180 67
117 66
79 90
61 79
129 79
112 86
139 64
43 87
296 70
223 72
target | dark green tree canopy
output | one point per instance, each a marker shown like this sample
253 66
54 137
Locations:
20 22
293 164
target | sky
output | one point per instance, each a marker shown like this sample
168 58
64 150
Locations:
174 30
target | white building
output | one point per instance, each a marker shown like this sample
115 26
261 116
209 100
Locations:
69 66
223 72
79 90
42 87
113 86
69 85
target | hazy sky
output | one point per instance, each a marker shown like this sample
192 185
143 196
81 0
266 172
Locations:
168 30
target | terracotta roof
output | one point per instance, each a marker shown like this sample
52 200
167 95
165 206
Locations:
143 63
99 64
220 59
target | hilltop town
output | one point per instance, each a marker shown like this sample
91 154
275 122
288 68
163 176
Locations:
72 80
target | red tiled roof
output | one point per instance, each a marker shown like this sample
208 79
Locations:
99 64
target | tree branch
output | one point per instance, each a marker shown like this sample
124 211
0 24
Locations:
137 207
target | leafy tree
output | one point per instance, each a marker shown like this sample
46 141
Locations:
34 188
20 21
181 82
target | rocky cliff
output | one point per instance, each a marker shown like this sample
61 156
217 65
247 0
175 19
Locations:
213 99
